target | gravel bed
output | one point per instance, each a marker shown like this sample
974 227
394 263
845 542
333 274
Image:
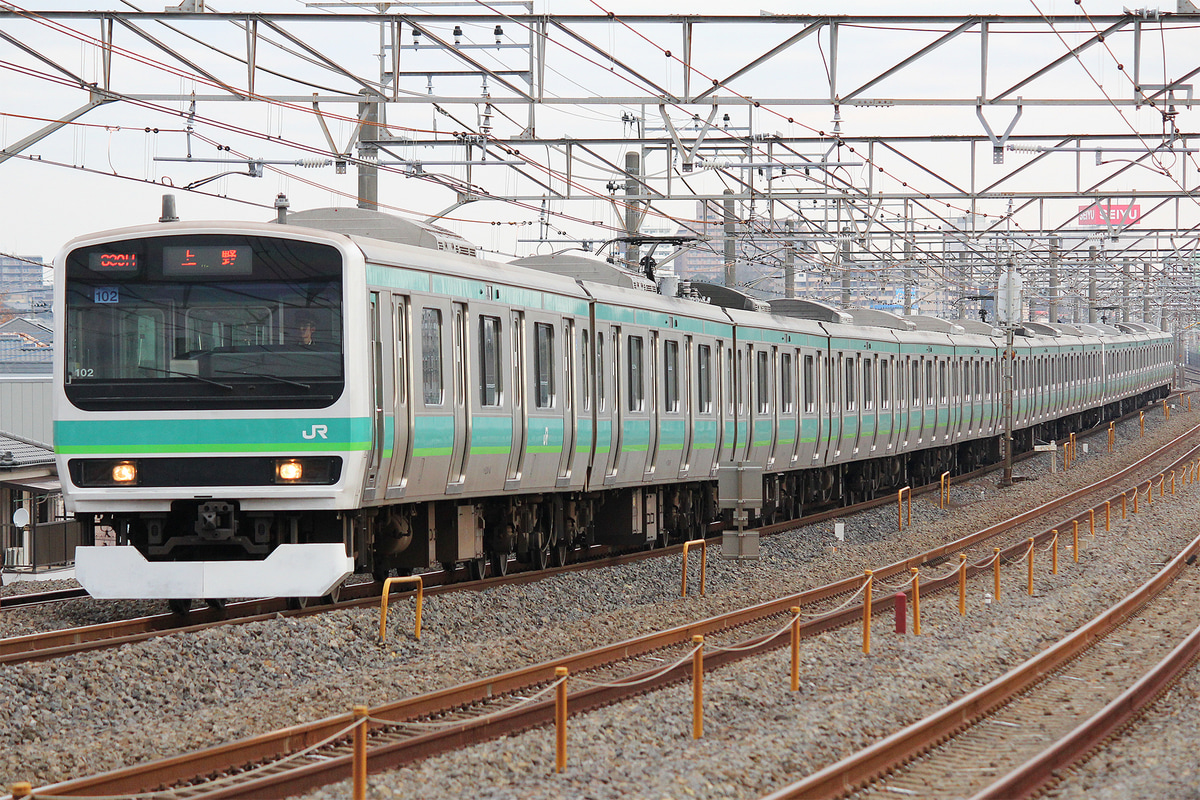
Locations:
99 711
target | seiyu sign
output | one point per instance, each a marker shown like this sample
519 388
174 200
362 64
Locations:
1110 214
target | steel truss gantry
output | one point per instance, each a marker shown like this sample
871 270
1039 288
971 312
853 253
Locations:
897 150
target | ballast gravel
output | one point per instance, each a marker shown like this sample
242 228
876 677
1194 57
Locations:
93 712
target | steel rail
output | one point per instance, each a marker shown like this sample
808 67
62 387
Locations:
329 767
857 770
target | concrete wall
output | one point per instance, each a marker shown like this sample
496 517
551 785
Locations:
25 407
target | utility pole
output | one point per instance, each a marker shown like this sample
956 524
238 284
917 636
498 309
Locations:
789 260
368 134
1092 285
1052 310
633 222
730 249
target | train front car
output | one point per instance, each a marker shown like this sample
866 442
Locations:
206 419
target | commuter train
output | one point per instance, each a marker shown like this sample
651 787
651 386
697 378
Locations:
265 409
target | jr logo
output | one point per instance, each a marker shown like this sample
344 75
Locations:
315 431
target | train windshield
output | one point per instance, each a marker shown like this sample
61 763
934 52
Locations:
203 321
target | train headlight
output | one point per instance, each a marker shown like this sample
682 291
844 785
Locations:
124 473
290 471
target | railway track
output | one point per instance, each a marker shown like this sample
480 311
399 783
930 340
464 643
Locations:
58 643
290 761
1018 734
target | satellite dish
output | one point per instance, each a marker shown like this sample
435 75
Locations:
21 517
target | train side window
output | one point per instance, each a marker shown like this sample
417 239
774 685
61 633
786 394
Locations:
763 367
600 371
670 375
489 361
810 385
915 382
401 357
704 379
729 381
740 384
868 383
885 384
543 363
431 356
929 391
637 387
851 368
785 383
942 381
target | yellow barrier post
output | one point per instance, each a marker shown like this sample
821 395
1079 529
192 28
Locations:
867 612
1162 481
1054 553
360 753
1030 559
996 573
1142 422
916 581
1172 481
1075 541
900 507
1167 410
944 497
21 789
1112 433
1136 491
560 719
1108 514
962 585
383 606
703 561
795 648
698 687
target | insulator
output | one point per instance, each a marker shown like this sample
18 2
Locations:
313 163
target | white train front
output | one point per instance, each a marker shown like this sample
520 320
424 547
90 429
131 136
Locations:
264 409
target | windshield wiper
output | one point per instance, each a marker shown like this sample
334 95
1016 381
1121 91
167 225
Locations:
264 377
187 375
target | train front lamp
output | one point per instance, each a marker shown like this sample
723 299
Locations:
289 471
124 473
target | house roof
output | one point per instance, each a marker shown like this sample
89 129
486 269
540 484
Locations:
17 452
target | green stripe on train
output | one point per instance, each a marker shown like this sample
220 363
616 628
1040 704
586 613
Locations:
310 434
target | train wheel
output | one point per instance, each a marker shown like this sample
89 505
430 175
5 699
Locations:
334 595
380 573
448 567
559 554
499 562
540 556
297 603
475 568
216 603
179 605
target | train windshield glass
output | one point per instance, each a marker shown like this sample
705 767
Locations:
204 321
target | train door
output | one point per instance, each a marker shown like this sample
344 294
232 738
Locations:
401 418
570 410
378 378
434 422
810 418
653 405
520 379
617 414
726 417
460 371
788 417
870 403
687 404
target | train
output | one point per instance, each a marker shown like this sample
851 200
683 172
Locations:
264 409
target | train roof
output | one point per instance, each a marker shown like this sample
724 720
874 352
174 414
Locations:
880 319
386 227
586 268
801 308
